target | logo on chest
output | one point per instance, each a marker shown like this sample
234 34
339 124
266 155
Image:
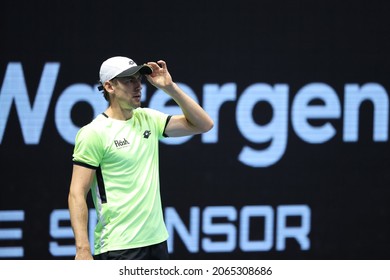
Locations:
121 143
147 134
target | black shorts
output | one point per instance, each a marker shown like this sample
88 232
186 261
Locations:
152 252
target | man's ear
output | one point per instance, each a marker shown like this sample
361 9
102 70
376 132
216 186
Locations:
108 87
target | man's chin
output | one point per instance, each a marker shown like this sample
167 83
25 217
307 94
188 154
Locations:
136 105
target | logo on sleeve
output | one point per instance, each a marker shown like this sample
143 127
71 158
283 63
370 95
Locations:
121 143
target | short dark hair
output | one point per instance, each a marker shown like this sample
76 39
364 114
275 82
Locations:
106 95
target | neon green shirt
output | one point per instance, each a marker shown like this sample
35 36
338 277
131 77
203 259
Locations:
126 188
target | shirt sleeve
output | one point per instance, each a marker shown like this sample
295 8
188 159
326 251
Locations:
88 150
161 120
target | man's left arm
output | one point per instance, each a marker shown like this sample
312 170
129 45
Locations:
194 119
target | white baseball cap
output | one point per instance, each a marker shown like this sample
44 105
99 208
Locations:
120 66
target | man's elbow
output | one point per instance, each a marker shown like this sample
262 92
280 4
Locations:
207 126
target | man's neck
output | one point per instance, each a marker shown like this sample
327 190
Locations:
119 113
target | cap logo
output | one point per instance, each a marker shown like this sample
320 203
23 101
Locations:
131 62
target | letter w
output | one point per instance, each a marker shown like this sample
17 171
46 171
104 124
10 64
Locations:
31 118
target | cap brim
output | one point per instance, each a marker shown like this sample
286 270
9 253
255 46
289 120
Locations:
142 69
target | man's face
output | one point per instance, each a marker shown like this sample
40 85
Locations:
127 91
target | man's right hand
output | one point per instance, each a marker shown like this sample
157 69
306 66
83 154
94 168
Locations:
83 255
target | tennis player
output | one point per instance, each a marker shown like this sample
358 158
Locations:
116 158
